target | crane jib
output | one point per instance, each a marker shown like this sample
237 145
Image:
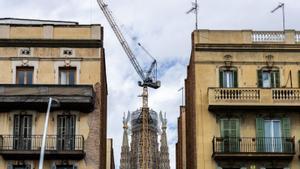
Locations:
147 79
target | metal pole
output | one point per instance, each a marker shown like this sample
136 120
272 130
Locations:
44 135
283 17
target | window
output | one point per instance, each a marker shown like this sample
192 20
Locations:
230 133
273 135
24 75
228 78
64 167
67 75
24 51
68 52
268 78
22 132
21 167
66 132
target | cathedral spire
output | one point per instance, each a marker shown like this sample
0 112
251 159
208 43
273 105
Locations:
125 154
164 150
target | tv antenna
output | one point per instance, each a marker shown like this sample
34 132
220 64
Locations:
281 5
195 10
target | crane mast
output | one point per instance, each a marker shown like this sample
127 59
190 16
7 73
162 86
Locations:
147 81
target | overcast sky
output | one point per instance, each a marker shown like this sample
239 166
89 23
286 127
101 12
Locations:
165 30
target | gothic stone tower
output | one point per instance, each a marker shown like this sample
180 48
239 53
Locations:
159 155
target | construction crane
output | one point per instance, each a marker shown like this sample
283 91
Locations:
149 79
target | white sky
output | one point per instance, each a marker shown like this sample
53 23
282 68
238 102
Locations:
165 30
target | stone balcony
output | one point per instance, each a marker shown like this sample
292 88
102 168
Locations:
253 98
35 97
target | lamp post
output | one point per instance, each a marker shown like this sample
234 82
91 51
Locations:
41 162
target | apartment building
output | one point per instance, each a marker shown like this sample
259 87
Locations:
243 100
40 59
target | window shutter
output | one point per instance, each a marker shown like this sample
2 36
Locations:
259 78
277 80
235 78
221 78
53 166
75 166
299 79
260 134
9 165
225 126
286 127
260 127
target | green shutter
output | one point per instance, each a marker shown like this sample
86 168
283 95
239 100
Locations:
286 127
259 78
275 83
221 78
224 128
278 78
299 79
235 78
260 125
286 132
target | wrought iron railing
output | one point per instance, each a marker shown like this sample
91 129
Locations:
243 145
34 143
268 36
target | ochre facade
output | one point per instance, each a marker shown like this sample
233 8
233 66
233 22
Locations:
242 100
51 49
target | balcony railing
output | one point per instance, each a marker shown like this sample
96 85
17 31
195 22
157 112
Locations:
268 36
253 97
253 147
19 146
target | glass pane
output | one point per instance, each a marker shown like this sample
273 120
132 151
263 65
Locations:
63 77
228 79
72 77
266 79
20 77
29 76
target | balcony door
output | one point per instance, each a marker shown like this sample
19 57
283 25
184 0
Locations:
22 132
228 78
66 132
273 140
230 133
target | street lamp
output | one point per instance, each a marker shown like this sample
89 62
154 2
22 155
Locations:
45 130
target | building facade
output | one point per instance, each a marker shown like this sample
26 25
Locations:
110 160
65 61
181 143
242 100
131 154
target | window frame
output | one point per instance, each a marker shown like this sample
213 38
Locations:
25 69
274 77
234 72
67 70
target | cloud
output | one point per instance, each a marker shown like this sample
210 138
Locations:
165 30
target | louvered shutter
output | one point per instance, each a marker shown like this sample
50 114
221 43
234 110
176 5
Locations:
235 78
9 165
260 133
221 78
259 78
286 134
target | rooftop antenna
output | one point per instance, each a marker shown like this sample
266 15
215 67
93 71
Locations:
195 10
281 5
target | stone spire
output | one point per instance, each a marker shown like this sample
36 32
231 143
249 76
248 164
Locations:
125 153
164 150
